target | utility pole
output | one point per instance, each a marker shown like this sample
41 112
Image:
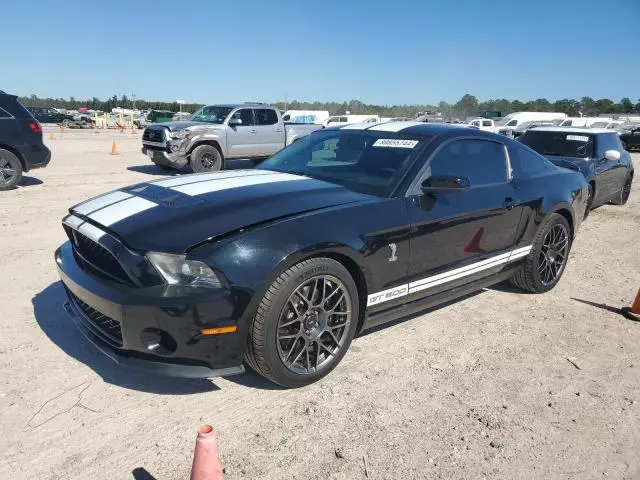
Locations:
286 101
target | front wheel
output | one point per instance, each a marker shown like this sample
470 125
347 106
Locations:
206 158
304 324
546 262
10 170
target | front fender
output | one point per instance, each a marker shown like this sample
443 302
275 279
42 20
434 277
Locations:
205 137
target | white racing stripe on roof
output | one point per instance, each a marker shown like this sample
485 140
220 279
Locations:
201 177
101 202
121 210
394 126
357 126
228 183
73 221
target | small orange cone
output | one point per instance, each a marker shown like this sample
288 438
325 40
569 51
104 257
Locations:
206 462
114 149
61 131
51 136
633 313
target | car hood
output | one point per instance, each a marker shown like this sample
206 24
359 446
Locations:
174 214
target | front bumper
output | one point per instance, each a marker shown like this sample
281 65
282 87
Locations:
166 315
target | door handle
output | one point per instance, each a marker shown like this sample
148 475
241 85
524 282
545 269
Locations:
509 203
253 131
278 130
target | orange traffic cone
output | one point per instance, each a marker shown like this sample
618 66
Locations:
61 131
52 136
206 462
633 313
114 149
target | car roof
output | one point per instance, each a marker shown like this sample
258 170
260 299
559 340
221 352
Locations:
237 105
592 131
411 127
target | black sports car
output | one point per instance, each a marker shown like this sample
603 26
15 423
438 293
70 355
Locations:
595 152
341 231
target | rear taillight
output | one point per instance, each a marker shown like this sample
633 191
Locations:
35 127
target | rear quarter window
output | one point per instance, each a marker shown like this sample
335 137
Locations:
15 108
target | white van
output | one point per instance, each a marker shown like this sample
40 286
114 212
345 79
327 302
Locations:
305 116
343 119
507 124
583 121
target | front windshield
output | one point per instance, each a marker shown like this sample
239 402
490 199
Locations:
599 124
369 162
211 114
561 144
503 121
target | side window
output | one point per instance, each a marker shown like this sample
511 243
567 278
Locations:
483 162
265 116
246 115
528 163
512 123
608 142
486 123
4 114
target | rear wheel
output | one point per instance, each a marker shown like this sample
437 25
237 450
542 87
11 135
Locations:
590 193
206 158
304 324
545 264
10 170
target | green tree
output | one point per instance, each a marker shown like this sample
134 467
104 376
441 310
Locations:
467 106
627 106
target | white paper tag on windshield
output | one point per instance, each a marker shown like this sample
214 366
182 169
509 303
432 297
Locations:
578 138
395 143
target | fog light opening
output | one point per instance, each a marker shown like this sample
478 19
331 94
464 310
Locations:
219 330
158 341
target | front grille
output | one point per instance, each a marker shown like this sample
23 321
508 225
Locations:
153 135
105 327
97 258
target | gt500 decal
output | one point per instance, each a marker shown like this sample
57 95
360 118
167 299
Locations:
435 280
387 295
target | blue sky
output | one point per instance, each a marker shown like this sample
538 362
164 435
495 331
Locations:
376 51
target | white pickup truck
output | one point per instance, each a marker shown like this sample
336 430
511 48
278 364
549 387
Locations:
483 124
216 133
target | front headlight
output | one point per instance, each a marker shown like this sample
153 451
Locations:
180 134
177 270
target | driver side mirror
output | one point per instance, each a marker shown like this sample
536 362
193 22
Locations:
612 155
445 184
234 121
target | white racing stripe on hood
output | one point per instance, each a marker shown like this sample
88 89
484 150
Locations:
201 177
101 202
121 210
83 227
228 183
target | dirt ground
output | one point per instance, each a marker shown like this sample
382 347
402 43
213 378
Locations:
480 388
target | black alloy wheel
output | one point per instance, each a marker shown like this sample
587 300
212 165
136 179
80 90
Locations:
206 158
552 257
304 324
546 262
10 170
313 325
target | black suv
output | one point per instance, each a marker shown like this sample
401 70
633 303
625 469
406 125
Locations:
49 115
21 147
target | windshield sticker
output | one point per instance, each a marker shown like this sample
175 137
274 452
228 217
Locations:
395 143
578 138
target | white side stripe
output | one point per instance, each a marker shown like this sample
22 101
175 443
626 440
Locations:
395 292
228 183
121 210
101 202
435 280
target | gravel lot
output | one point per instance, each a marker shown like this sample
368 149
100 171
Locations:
480 388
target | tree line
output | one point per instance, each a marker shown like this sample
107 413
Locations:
467 106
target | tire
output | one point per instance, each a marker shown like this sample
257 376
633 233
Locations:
624 146
288 329
625 191
533 275
10 170
206 158
590 193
